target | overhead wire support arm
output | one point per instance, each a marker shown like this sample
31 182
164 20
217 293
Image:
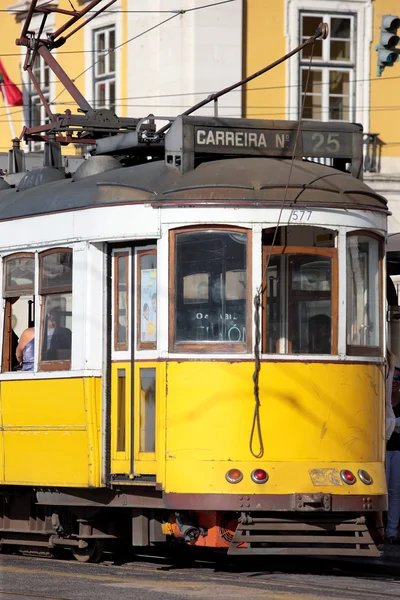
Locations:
320 33
35 44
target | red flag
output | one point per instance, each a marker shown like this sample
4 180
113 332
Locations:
11 94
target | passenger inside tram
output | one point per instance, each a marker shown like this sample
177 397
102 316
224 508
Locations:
319 334
26 349
57 338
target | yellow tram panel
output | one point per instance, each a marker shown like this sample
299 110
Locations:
50 431
310 413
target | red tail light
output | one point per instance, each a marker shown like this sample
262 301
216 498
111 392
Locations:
259 476
348 477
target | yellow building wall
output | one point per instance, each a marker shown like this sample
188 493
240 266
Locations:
264 42
385 90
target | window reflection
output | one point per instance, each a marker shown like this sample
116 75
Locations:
211 286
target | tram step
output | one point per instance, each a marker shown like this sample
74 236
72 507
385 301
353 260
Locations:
325 537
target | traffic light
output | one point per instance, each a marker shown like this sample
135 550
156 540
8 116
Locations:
388 54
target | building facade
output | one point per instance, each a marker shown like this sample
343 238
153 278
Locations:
163 56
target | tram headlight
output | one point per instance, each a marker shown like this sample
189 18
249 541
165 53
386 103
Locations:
259 476
348 477
365 477
234 476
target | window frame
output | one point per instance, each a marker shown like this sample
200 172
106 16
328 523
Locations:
354 349
52 365
140 344
312 250
326 65
120 346
210 347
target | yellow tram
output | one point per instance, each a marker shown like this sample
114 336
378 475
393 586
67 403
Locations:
222 382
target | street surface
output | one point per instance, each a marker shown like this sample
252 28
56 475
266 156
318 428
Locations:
149 579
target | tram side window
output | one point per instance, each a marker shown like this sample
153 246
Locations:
147 300
210 291
18 293
364 301
300 305
121 301
55 288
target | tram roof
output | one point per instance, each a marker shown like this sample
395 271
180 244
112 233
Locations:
252 181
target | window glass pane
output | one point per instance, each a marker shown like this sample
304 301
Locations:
276 322
121 265
309 27
46 76
18 316
338 109
299 304
111 56
56 327
35 111
340 28
148 300
19 274
363 297
313 102
111 88
101 42
339 83
147 410
310 304
211 283
56 271
340 50
101 64
36 69
100 95
121 411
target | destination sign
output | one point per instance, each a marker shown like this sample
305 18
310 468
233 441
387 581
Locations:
273 142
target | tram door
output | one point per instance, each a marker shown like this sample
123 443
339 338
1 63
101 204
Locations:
133 361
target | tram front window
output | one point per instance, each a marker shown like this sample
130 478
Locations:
211 289
299 303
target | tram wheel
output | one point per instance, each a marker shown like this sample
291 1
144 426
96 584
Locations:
92 552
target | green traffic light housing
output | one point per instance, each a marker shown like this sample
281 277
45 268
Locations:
387 50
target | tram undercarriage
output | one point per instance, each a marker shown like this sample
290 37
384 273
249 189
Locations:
43 522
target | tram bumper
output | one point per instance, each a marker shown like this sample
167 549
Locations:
292 534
